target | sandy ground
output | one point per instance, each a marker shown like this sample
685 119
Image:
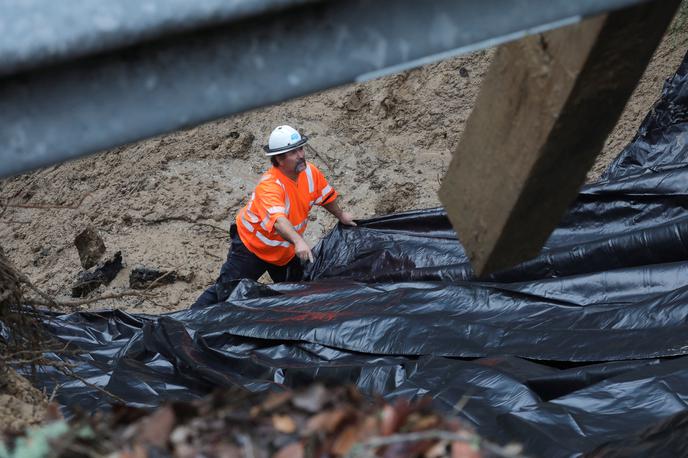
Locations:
167 202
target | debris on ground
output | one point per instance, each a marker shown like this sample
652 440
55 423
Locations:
142 277
313 421
90 246
102 274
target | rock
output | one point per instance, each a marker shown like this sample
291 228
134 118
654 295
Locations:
127 219
142 277
90 246
102 274
356 101
239 144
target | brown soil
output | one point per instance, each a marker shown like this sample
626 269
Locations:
167 202
21 404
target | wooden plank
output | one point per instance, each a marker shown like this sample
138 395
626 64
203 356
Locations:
545 108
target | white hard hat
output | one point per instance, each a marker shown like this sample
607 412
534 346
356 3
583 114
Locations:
282 139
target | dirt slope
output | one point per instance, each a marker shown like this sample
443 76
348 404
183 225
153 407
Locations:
167 202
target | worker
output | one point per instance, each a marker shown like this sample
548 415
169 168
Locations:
268 232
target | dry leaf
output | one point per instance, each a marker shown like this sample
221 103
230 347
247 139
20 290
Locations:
393 416
156 428
345 440
421 423
180 435
312 399
439 450
283 423
513 449
355 396
293 450
274 400
358 432
185 451
224 450
464 450
369 427
408 448
52 412
138 452
327 421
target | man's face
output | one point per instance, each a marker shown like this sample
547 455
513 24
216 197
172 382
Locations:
293 161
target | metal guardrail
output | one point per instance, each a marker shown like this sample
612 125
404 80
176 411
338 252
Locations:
78 77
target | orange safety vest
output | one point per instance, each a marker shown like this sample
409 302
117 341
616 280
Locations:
278 195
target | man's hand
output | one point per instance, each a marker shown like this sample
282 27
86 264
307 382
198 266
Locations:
303 251
287 231
337 212
347 218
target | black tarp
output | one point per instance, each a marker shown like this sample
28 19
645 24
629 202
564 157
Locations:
583 349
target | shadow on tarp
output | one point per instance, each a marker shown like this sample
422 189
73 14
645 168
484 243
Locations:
580 350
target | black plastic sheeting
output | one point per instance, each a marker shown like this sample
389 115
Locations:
580 350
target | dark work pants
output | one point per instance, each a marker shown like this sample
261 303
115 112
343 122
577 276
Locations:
241 263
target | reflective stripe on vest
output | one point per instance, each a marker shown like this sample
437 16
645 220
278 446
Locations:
301 225
246 224
270 242
252 217
326 190
287 205
309 176
262 237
